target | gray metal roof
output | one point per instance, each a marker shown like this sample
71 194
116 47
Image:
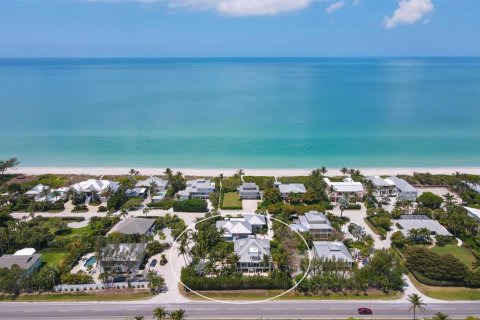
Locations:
146 183
248 187
251 247
292 187
133 226
378 182
332 249
409 222
402 185
234 227
312 220
22 261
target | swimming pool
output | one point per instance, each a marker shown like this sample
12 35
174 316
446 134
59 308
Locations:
90 262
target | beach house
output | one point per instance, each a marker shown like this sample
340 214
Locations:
410 221
131 225
249 190
159 184
383 187
92 186
37 191
332 250
286 189
122 258
348 189
241 227
253 254
404 190
314 222
26 259
199 188
473 213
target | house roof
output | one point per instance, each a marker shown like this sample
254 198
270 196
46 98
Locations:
95 184
37 189
24 262
251 246
255 219
248 187
473 212
312 220
123 252
292 187
402 185
348 185
147 182
379 182
25 252
234 227
133 226
332 249
409 222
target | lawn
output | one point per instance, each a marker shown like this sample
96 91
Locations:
103 296
232 201
446 293
52 259
294 179
460 252
263 182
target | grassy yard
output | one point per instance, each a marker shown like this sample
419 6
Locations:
460 252
263 182
294 179
52 259
104 296
446 293
231 200
266 294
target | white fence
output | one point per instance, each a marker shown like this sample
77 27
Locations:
94 287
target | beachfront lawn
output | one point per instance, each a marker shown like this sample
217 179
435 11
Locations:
52 259
263 182
460 252
294 179
231 200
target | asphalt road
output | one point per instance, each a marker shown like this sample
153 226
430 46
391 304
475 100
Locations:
214 310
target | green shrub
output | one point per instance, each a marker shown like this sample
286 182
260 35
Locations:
191 205
263 182
163 204
80 207
102 209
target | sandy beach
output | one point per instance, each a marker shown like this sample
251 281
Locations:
99 171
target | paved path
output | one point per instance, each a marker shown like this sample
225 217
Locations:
213 310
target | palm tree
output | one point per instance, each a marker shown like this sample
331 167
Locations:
169 173
240 173
344 170
177 314
449 198
153 188
441 316
343 205
416 303
183 249
146 210
138 318
160 313
323 170
123 213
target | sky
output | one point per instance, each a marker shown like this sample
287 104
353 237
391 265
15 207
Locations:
239 28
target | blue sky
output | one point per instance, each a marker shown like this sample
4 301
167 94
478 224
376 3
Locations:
218 28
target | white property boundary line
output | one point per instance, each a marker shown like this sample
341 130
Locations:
191 227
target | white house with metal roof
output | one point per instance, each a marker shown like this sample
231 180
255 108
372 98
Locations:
473 213
160 184
241 227
90 186
199 188
331 250
383 187
286 189
405 191
346 189
410 221
251 253
26 259
314 222
37 191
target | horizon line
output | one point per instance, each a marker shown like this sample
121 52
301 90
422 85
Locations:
240 57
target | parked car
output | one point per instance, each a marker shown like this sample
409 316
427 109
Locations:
153 263
365 311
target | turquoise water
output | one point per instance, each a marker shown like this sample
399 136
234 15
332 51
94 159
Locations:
250 113
90 262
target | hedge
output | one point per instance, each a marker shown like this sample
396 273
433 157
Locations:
238 282
353 207
163 204
438 283
191 205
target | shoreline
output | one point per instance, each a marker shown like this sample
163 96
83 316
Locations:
211 172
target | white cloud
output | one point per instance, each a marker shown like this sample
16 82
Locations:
409 12
335 6
241 8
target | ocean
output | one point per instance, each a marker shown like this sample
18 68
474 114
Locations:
241 113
